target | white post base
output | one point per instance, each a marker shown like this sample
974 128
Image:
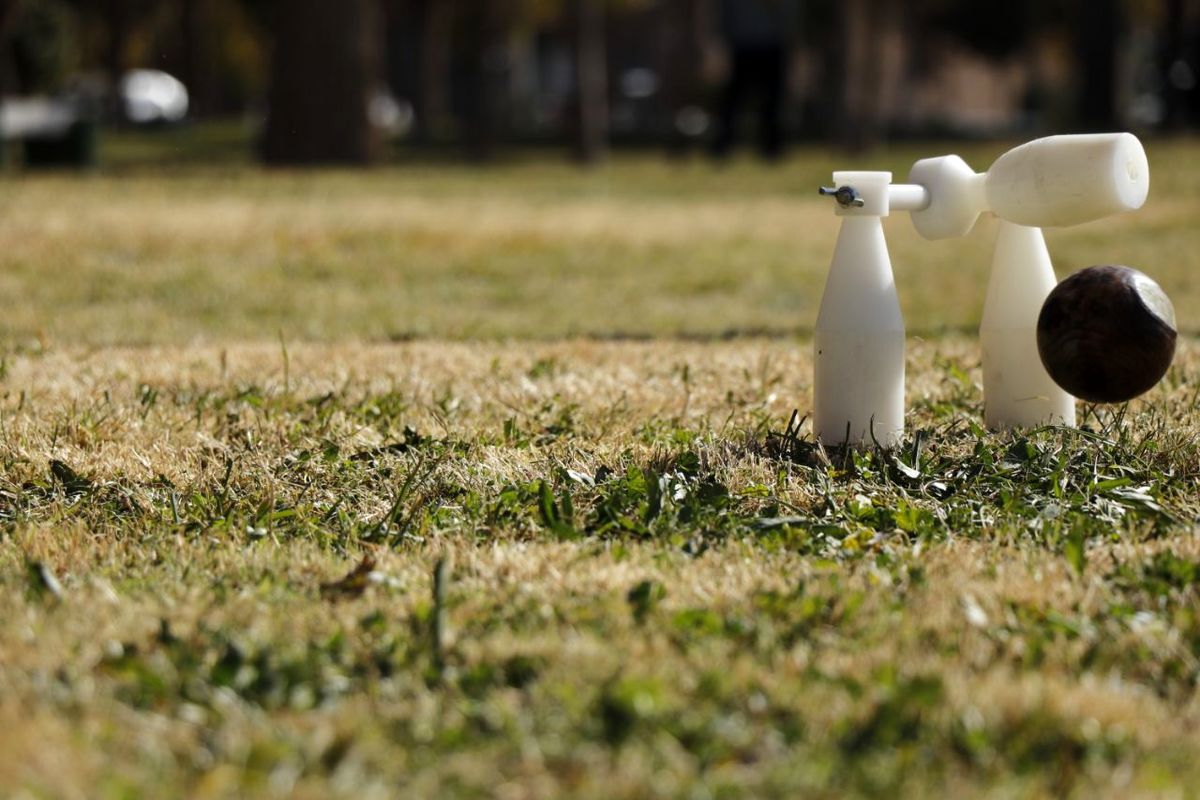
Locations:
1017 391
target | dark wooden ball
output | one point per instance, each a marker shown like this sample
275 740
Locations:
1107 334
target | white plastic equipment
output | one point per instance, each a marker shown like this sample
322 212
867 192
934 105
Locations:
858 384
1018 392
859 338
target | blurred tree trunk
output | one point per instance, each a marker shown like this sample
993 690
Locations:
327 62
1180 63
868 33
1098 39
193 16
487 56
855 66
433 103
591 68
117 20
8 14
678 61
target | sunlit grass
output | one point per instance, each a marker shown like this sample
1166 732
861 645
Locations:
248 547
531 250
653 581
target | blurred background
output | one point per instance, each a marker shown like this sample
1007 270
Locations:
368 81
156 183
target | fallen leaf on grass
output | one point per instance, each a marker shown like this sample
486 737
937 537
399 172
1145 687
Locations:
352 585
72 482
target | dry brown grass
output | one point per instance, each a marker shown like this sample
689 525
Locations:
640 248
96 700
651 589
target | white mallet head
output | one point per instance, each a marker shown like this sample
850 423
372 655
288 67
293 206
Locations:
1050 182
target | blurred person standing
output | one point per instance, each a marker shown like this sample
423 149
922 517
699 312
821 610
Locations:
758 35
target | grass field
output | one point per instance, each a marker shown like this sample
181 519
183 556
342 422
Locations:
439 482
144 255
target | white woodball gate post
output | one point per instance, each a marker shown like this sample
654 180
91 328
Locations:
858 381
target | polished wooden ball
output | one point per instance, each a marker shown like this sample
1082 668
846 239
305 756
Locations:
1107 334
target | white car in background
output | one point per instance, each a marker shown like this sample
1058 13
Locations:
153 97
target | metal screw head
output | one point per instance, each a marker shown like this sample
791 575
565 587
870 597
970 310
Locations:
846 196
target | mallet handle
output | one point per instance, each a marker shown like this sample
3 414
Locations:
908 197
